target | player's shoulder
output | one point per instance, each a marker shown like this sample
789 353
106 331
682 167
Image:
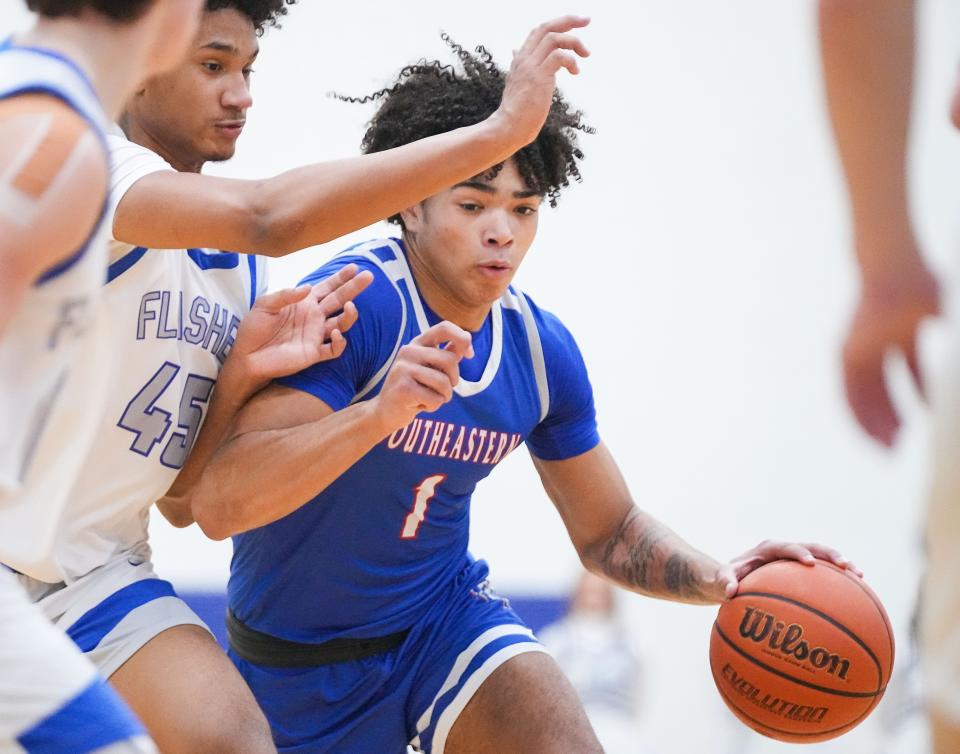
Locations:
47 139
382 299
53 165
126 155
553 333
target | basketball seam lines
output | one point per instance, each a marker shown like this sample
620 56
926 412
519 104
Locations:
852 694
876 601
830 620
845 727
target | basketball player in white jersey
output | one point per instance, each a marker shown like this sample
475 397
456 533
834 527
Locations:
176 301
59 85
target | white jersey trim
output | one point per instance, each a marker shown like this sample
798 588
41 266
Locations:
397 269
463 660
130 163
366 251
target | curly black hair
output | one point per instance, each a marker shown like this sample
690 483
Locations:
430 97
118 10
262 13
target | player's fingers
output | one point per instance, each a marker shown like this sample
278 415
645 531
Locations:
553 43
274 302
727 580
337 344
869 399
435 386
824 552
832 555
791 550
343 321
335 300
330 284
332 348
560 25
462 349
913 364
558 60
445 361
850 566
457 339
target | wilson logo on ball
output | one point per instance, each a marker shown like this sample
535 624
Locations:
764 628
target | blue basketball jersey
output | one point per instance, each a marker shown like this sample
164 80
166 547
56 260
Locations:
371 553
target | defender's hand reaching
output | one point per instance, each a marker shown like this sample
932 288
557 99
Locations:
528 93
291 329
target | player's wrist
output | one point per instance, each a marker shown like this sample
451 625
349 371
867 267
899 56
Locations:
239 378
381 417
713 584
503 130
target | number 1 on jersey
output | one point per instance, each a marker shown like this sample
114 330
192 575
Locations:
425 492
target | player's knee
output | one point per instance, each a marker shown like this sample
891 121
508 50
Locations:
237 733
230 724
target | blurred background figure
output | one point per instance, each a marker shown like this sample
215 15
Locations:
867 49
595 649
598 649
901 726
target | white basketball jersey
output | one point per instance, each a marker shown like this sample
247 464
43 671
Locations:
53 354
175 314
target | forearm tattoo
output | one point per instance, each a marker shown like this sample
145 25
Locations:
650 558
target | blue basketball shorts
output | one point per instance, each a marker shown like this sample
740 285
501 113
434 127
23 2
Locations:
408 695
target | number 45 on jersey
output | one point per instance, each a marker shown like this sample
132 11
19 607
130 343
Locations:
150 424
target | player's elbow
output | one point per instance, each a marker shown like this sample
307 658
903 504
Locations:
177 512
592 554
275 230
591 558
213 526
211 513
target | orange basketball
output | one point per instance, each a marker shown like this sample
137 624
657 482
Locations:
802 653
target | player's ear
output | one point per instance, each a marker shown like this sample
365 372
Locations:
413 218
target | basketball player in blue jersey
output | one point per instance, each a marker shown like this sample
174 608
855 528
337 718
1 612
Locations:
177 301
357 615
59 86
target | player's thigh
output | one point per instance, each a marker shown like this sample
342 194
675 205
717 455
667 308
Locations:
528 705
190 697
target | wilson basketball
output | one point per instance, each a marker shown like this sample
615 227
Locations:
802 653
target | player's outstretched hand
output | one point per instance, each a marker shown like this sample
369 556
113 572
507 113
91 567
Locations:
729 574
529 88
291 329
424 374
887 319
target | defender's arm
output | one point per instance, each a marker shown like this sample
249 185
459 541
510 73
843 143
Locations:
311 205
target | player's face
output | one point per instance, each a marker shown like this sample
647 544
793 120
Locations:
466 243
197 112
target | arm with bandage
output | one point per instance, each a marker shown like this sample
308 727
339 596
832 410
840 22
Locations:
53 180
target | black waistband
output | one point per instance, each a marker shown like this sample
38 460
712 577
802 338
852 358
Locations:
273 652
